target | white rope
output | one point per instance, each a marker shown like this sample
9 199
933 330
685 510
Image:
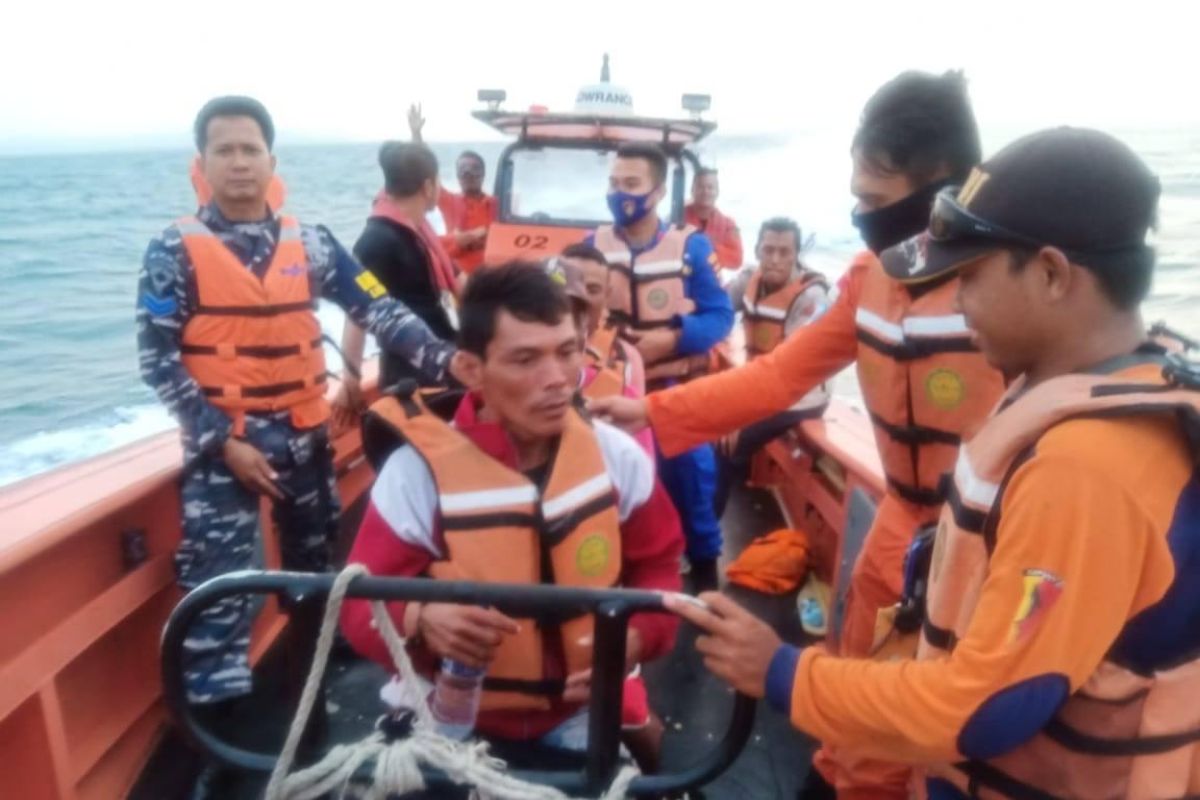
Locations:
398 762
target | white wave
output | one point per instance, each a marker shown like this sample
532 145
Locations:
48 449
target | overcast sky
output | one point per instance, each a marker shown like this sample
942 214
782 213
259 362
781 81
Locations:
135 71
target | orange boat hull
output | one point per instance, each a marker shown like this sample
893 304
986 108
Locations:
80 695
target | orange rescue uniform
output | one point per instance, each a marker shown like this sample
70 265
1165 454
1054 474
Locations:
462 212
722 230
925 386
1061 656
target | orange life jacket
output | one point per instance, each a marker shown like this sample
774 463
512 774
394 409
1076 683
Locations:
499 527
254 345
924 383
442 273
1122 734
604 353
763 318
276 190
650 293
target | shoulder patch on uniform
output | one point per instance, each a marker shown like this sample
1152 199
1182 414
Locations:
159 306
367 281
1041 590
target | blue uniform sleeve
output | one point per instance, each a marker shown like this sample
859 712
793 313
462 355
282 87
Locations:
359 293
163 308
713 318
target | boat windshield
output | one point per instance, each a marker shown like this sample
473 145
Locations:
560 185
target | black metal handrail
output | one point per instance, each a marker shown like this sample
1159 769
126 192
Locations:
611 607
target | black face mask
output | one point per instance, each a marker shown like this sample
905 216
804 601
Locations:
903 219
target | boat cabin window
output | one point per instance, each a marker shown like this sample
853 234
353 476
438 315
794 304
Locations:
560 185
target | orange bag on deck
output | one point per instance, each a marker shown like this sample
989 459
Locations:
775 563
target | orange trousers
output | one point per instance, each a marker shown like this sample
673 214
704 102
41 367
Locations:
875 583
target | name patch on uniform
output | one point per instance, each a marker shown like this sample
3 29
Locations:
367 281
1042 589
592 556
945 389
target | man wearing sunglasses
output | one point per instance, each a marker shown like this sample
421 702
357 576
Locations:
923 381
467 215
1060 650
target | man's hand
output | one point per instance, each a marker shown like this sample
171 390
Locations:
656 344
416 122
348 404
627 413
467 634
739 646
250 467
579 684
470 240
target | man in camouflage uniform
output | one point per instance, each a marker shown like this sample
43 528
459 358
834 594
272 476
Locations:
227 469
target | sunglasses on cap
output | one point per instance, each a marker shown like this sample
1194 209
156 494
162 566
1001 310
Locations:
950 222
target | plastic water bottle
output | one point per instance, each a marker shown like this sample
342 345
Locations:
455 700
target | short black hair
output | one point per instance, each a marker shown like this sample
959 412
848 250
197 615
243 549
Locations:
474 155
524 289
918 123
1124 279
782 225
233 106
585 251
406 166
650 153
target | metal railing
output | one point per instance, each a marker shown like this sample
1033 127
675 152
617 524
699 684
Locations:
611 608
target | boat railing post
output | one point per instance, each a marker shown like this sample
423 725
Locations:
608 685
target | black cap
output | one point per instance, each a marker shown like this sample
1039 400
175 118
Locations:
1080 190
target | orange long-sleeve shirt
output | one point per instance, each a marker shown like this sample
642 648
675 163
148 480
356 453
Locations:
464 213
706 409
724 233
1093 507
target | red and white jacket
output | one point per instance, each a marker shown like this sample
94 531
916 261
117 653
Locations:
401 536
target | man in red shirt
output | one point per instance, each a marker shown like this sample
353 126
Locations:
467 215
702 213
527 448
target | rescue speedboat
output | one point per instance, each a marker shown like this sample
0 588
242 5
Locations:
86 577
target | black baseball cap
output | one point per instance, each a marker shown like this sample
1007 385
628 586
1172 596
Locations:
1080 190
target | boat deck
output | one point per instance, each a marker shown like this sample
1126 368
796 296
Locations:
694 705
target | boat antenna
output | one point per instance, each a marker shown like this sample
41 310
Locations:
604 71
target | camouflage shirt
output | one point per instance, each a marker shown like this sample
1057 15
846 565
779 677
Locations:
167 300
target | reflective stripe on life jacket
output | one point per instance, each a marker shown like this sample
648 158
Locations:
499 527
1121 734
763 318
924 382
254 345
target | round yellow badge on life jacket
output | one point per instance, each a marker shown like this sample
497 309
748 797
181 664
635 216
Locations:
657 299
945 388
591 558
